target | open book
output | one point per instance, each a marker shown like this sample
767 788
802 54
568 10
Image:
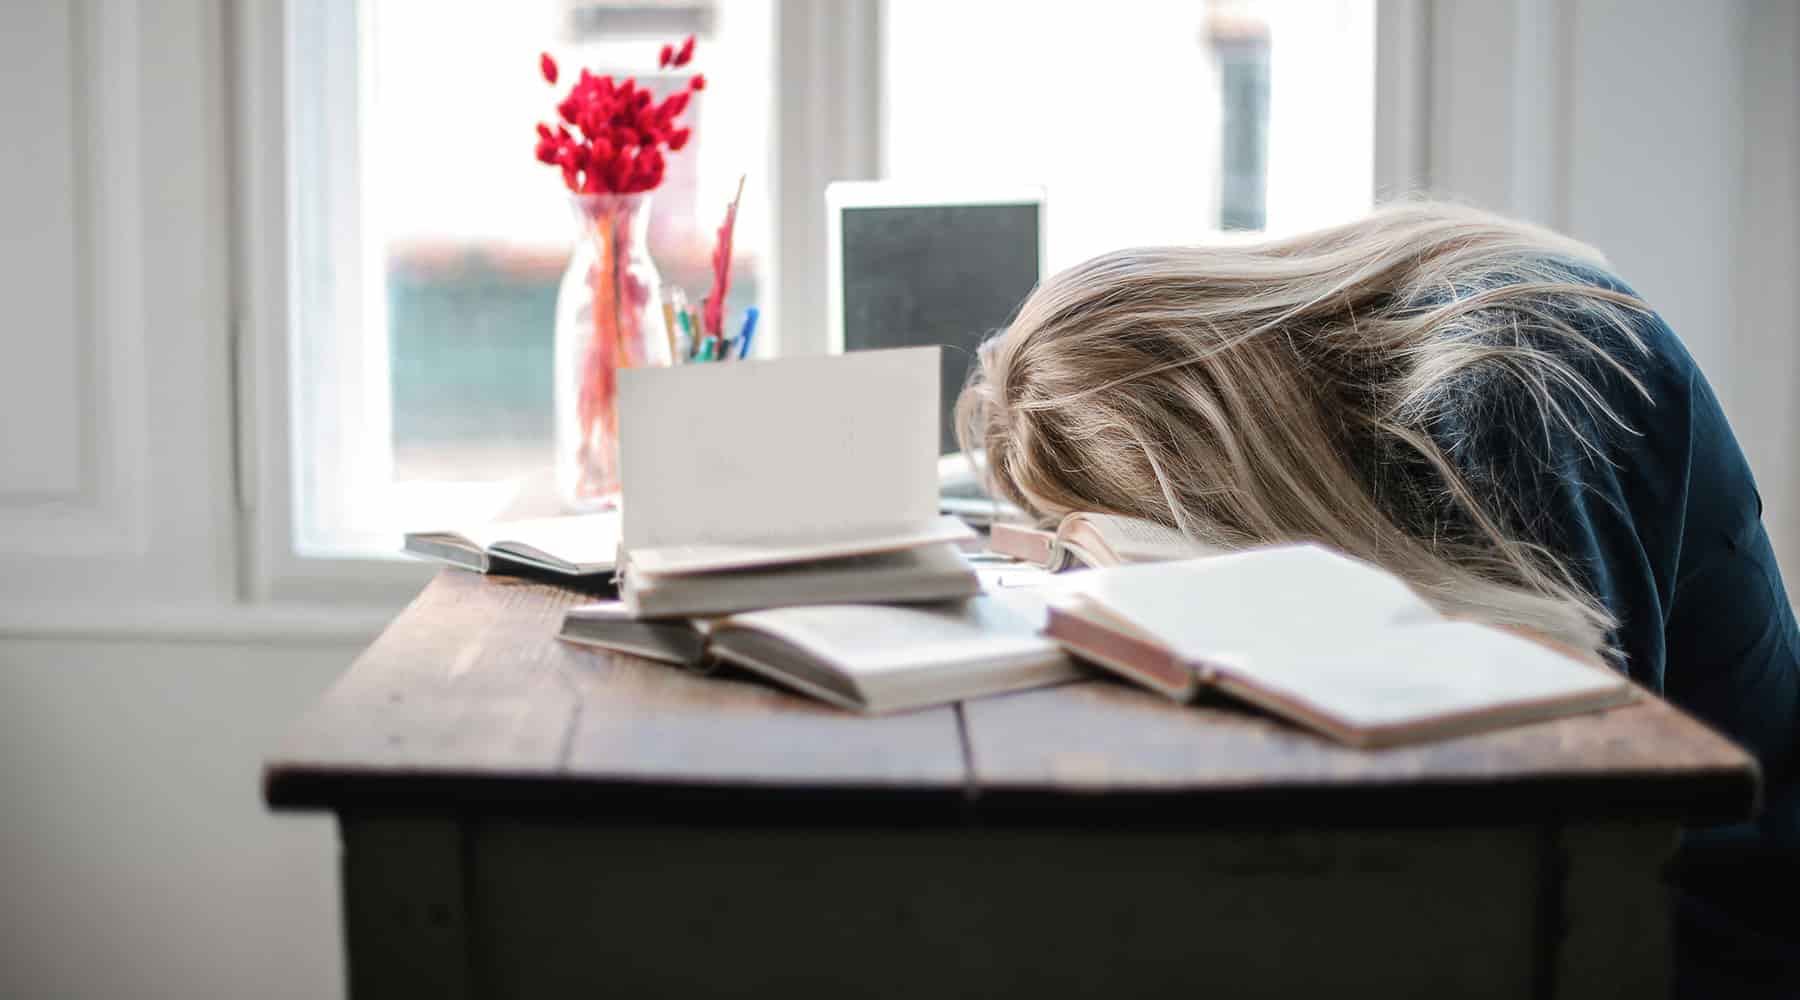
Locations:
583 545
864 657
773 483
1088 539
1322 640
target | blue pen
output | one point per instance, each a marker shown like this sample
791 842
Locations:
749 330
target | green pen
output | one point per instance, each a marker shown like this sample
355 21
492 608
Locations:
687 335
706 349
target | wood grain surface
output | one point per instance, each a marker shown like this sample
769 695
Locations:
469 693
1112 738
467 699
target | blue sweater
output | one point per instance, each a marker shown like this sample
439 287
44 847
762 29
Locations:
1664 526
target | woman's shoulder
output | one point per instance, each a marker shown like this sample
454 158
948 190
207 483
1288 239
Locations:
1582 343
1623 322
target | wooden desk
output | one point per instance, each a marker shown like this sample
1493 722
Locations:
521 817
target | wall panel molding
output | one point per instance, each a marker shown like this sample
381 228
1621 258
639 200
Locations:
80 487
145 416
45 386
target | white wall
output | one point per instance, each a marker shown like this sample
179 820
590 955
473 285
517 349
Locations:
1664 133
136 857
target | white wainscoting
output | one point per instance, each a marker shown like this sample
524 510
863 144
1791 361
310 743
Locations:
116 398
71 481
137 856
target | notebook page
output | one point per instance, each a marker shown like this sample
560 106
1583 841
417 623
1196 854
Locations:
1136 540
869 640
795 448
1229 607
1409 675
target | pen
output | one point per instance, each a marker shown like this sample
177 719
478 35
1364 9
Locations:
687 336
669 329
749 330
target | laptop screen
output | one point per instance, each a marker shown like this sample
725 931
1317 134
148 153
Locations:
916 275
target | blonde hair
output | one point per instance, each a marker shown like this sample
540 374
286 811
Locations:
1289 390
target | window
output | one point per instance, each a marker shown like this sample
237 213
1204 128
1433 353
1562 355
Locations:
1146 122
425 245
428 244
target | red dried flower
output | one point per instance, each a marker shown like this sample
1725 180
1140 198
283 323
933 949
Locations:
547 66
621 131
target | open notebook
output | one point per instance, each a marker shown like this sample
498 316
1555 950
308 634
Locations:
582 545
864 657
772 483
1089 539
1320 639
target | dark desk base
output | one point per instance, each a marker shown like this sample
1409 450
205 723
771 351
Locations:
475 907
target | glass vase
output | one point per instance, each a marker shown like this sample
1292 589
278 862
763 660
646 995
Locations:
608 317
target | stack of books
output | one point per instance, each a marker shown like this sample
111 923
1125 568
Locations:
782 516
779 516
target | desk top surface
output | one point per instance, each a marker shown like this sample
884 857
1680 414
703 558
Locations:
468 702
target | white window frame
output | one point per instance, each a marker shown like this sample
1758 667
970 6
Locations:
825 119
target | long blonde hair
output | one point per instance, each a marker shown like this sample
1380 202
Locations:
1250 394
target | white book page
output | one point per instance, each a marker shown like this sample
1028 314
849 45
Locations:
1407 675
1134 540
674 560
590 540
867 641
1227 608
796 448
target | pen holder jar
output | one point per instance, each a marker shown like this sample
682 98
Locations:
608 317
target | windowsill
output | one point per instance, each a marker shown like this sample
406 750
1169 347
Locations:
285 624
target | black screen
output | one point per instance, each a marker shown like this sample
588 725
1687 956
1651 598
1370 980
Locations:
916 275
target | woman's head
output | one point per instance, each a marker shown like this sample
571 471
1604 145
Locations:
1254 393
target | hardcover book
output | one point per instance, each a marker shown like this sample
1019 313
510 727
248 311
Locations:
1322 640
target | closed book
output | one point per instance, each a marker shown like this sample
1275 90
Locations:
609 625
1323 640
931 573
